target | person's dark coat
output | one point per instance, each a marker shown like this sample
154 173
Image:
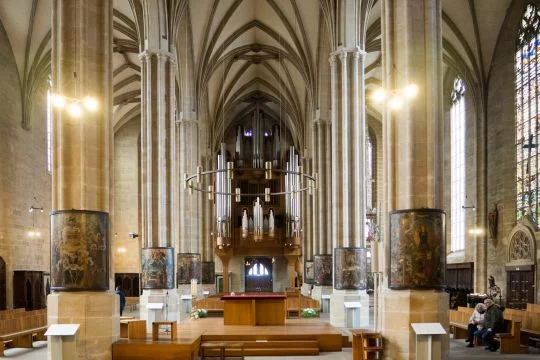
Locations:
493 319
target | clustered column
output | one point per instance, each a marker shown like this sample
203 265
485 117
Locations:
412 53
80 242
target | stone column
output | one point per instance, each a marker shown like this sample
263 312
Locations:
191 225
348 177
412 53
82 66
157 176
323 198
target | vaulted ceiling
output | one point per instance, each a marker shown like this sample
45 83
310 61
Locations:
233 54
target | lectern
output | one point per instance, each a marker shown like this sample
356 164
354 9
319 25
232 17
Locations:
63 340
424 340
155 311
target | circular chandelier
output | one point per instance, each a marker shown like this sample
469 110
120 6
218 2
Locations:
307 182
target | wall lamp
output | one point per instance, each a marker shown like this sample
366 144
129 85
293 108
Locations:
473 207
33 208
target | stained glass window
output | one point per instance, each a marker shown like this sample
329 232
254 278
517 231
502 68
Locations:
457 160
258 270
527 114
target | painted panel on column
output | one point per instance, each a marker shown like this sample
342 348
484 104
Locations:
79 250
350 268
322 265
310 273
417 249
189 267
208 272
157 265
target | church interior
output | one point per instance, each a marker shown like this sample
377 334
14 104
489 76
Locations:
221 177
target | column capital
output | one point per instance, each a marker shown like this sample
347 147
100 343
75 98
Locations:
146 54
188 122
343 52
319 121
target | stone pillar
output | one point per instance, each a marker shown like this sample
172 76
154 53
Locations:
82 66
348 168
324 171
323 198
190 240
158 161
412 53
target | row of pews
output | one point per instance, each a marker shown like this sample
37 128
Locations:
522 327
19 328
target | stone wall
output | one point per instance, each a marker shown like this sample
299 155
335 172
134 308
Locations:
501 180
23 176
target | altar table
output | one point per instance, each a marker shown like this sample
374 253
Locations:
252 309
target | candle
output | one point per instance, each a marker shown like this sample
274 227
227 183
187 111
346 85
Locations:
193 287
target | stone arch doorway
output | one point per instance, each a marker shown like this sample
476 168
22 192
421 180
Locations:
520 267
258 274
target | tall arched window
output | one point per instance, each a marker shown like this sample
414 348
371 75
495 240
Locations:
370 172
457 160
49 128
527 114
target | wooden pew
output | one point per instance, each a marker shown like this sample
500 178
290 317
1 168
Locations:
20 327
133 329
459 320
530 323
510 340
131 303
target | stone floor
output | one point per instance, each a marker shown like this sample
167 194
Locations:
458 351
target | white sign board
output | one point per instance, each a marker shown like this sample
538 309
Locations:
62 330
428 328
352 304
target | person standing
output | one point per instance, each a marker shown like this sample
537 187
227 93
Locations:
120 293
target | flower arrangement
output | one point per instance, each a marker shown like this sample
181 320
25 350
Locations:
309 313
199 313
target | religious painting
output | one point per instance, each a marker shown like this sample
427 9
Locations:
157 266
310 274
208 272
417 249
189 267
79 250
322 269
350 268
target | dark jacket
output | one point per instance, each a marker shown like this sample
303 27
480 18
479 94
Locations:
493 319
120 292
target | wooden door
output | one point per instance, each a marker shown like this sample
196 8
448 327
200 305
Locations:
258 274
3 302
519 288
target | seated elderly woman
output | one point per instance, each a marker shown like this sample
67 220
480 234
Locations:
476 322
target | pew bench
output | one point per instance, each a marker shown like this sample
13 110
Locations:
22 339
131 303
510 340
459 321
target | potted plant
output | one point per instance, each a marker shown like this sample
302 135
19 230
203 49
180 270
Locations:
199 313
309 313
